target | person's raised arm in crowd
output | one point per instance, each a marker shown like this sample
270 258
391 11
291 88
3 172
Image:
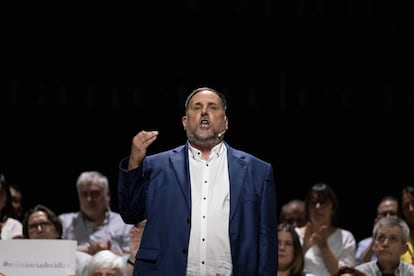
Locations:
134 242
210 208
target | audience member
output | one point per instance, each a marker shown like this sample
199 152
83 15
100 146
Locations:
17 201
388 206
41 222
391 236
326 246
407 205
134 242
10 228
290 255
95 226
348 271
106 263
293 212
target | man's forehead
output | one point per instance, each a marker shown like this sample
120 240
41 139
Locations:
90 187
388 229
205 96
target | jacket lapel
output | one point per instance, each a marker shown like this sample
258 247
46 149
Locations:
179 161
237 174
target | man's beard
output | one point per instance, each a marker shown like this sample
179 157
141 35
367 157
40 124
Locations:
203 142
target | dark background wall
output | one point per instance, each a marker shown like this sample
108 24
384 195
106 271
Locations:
320 90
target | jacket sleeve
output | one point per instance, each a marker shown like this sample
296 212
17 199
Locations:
131 192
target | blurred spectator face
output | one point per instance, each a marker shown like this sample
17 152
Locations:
93 198
294 213
321 210
285 249
387 208
16 197
40 227
3 197
388 245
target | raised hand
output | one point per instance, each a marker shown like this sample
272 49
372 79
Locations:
139 146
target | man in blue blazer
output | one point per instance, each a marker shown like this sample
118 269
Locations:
210 209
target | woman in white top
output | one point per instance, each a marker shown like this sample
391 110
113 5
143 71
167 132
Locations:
10 228
326 247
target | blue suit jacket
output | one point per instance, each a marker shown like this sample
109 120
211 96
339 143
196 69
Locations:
159 190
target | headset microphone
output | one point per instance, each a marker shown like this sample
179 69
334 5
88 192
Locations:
221 133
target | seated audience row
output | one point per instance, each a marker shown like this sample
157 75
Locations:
329 250
317 246
42 223
94 226
390 235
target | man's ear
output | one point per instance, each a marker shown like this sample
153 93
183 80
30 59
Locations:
184 121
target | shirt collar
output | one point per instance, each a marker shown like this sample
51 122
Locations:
216 150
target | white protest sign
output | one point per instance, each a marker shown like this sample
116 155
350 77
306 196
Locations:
23 257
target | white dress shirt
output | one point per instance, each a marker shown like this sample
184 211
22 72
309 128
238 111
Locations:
209 248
